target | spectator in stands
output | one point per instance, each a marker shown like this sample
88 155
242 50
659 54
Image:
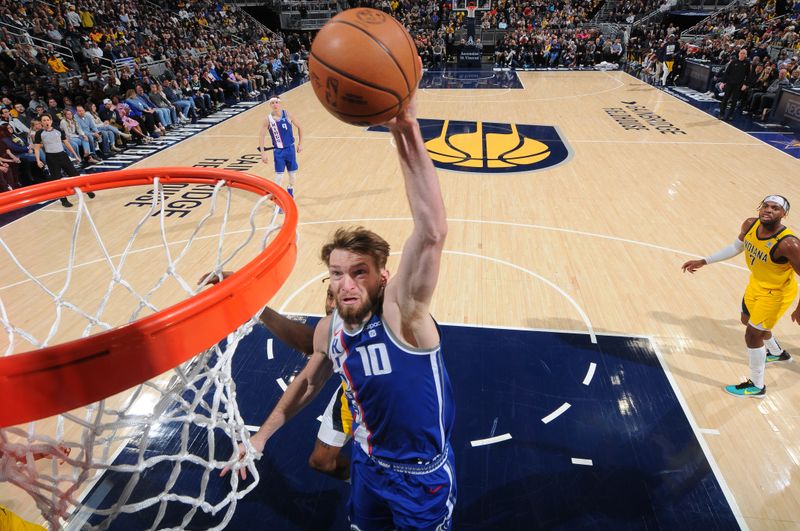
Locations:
175 97
17 126
53 110
68 105
23 115
73 18
77 137
145 114
163 113
615 55
126 82
765 104
111 136
87 18
279 73
57 65
20 147
160 100
53 34
118 114
201 100
36 125
210 85
90 130
10 163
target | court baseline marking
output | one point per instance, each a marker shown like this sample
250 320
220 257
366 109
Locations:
698 432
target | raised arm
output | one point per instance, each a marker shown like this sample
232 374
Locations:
411 289
299 393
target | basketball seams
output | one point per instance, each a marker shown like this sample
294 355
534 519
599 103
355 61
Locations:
382 45
349 115
365 83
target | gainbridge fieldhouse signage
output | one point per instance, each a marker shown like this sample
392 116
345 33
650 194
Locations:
492 147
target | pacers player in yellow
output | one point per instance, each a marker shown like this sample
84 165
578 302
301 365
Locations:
772 253
11 522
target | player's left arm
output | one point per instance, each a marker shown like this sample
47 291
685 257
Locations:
789 248
299 144
412 287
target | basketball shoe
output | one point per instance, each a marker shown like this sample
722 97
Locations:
783 356
746 389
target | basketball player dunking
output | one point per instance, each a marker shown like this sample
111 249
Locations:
385 346
772 253
279 125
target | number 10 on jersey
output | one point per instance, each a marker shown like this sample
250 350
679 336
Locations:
375 359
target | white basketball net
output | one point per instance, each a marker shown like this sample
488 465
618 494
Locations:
58 460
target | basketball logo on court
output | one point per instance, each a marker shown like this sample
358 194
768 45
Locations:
490 147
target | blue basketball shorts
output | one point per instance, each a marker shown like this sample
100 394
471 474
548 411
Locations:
383 498
285 158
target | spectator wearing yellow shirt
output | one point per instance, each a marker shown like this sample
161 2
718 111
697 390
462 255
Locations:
57 65
87 19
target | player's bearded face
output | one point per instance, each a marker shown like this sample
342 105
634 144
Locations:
770 213
355 313
356 284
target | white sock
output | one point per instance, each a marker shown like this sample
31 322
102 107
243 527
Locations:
758 360
292 177
279 179
772 346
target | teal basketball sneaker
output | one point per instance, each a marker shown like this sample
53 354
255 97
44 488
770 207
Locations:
746 389
783 356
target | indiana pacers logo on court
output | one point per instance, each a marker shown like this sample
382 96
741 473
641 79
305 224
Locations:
489 147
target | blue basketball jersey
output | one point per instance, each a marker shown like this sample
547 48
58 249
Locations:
280 131
400 396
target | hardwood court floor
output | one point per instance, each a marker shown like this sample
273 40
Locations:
595 242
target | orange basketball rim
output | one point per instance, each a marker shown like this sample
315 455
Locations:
55 379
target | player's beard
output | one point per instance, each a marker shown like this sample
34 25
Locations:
770 225
355 315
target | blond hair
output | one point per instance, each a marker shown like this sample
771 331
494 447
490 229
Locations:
358 240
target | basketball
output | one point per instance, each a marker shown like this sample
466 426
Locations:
364 66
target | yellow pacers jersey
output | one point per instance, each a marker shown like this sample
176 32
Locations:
11 522
765 272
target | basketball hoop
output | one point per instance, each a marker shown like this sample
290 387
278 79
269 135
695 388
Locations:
54 380
471 10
